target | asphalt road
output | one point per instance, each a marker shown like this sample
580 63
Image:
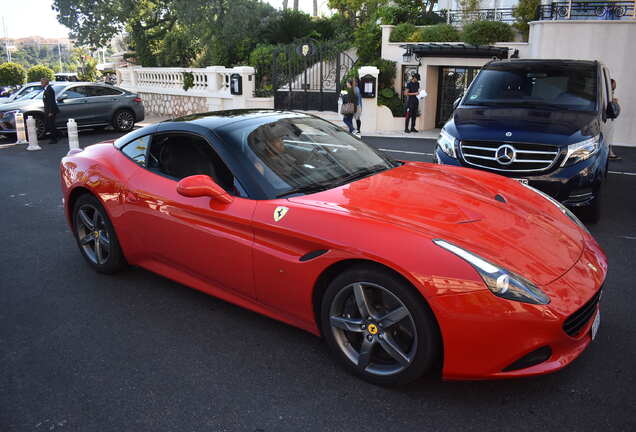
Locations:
81 351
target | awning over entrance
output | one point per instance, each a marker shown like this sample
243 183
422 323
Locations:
455 50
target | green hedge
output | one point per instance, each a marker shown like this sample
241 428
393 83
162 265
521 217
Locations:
12 74
402 32
37 72
487 32
436 33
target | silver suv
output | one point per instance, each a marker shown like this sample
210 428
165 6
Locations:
92 105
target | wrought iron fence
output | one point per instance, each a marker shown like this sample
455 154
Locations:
604 10
459 16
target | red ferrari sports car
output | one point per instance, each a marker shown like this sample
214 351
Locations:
402 267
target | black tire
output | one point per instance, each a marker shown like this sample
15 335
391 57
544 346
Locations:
350 335
123 120
96 236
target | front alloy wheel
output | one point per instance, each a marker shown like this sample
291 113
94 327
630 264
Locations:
379 326
123 121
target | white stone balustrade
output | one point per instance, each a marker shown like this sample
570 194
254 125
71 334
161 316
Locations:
162 91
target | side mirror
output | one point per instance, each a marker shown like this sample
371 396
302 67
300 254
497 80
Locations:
203 185
613 110
456 102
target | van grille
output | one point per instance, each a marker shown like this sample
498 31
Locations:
513 157
575 322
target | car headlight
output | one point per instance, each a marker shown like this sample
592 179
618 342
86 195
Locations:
447 143
566 211
501 282
582 150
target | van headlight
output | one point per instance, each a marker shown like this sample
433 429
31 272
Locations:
582 150
447 143
501 282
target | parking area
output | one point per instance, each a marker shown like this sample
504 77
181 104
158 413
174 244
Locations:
133 352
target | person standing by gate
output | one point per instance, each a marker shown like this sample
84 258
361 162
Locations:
412 102
348 108
358 95
50 110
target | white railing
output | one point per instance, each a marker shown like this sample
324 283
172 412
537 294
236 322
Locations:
213 81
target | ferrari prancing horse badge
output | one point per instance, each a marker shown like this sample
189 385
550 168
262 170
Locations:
280 213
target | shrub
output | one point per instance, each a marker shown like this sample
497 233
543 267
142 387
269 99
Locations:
487 32
402 32
391 100
403 12
367 39
387 72
525 12
12 74
436 33
37 72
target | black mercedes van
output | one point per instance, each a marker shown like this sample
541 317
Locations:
547 123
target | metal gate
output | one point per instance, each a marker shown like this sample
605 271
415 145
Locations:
307 74
453 81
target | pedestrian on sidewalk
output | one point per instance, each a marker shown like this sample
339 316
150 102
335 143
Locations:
613 156
50 110
358 95
412 102
348 108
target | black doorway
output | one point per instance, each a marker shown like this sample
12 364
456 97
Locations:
452 83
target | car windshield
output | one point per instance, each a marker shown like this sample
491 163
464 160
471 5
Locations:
539 85
300 155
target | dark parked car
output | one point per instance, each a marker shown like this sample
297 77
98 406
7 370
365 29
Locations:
547 123
92 105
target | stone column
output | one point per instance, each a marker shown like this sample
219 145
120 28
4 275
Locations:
369 116
248 75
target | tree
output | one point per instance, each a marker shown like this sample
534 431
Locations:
357 11
487 32
12 74
315 8
525 12
295 5
36 73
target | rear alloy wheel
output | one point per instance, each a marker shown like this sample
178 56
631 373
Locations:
95 236
379 326
123 120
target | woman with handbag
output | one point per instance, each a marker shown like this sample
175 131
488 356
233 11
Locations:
348 108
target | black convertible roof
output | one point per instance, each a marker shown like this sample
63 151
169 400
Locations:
215 119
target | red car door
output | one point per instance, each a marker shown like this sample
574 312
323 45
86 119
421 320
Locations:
190 237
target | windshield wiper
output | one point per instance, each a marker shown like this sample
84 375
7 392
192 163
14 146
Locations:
361 173
307 189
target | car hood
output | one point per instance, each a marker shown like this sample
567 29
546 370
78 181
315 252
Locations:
525 233
525 124
20 105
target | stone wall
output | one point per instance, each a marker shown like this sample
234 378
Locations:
166 105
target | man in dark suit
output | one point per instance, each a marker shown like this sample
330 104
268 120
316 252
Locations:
50 109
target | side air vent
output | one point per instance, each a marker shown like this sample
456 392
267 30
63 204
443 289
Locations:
313 254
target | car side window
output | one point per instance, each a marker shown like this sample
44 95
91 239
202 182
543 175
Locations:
136 150
608 86
179 155
75 92
102 91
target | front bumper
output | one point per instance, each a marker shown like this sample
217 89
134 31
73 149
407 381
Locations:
484 335
575 186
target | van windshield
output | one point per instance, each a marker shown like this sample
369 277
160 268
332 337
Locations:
540 85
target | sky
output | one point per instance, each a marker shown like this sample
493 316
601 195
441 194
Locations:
42 21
